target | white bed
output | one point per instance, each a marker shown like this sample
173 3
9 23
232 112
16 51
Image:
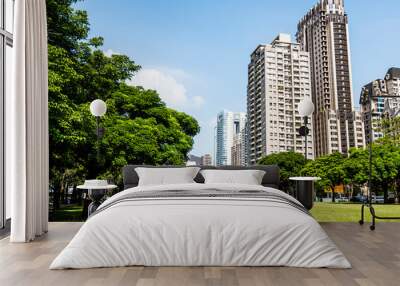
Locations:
201 231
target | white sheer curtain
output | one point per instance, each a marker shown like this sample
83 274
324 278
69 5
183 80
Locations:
27 124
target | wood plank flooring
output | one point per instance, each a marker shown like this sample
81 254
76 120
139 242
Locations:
375 257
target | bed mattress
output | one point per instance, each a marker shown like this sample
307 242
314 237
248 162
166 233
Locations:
201 225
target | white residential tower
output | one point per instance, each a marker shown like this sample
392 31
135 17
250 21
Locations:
278 79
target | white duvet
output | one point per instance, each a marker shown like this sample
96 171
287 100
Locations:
200 231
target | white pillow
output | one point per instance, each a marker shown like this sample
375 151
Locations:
166 176
248 177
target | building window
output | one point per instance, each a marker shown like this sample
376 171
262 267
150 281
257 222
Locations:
6 43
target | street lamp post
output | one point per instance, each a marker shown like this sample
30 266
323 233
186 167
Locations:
305 108
98 108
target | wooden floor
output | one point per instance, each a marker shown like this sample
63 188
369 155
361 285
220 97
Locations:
375 257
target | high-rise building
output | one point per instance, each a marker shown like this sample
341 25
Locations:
206 160
238 149
323 32
278 79
228 125
390 85
357 129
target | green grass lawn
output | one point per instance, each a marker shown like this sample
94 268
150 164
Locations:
68 213
322 212
348 212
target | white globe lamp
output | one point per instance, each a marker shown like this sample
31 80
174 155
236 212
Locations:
98 108
306 107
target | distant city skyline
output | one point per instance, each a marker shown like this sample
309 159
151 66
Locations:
196 54
229 129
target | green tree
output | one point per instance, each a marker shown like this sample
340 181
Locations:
389 125
151 134
385 166
356 168
330 168
290 165
139 127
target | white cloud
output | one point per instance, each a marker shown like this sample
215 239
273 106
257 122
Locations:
198 100
169 83
110 52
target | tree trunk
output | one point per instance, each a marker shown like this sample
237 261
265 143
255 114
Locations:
333 194
351 190
385 192
74 196
56 196
65 198
58 193
61 197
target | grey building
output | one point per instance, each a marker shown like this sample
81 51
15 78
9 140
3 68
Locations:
380 107
206 160
323 32
238 150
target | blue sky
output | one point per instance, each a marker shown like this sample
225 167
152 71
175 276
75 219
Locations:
195 53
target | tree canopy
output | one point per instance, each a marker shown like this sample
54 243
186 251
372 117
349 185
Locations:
338 169
385 166
139 127
329 168
290 165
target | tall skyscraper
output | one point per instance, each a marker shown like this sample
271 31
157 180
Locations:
278 79
229 124
323 32
380 106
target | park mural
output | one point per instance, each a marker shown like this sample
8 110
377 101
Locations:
139 127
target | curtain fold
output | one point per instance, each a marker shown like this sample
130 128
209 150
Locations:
28 123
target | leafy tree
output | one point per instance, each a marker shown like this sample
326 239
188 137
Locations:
329 168
290 165
356 168
66 26
389 125
140 128
154 134
385 166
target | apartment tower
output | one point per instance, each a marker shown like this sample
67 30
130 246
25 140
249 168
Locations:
229 125
206 160
278 79
323 32
238 150
390 85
